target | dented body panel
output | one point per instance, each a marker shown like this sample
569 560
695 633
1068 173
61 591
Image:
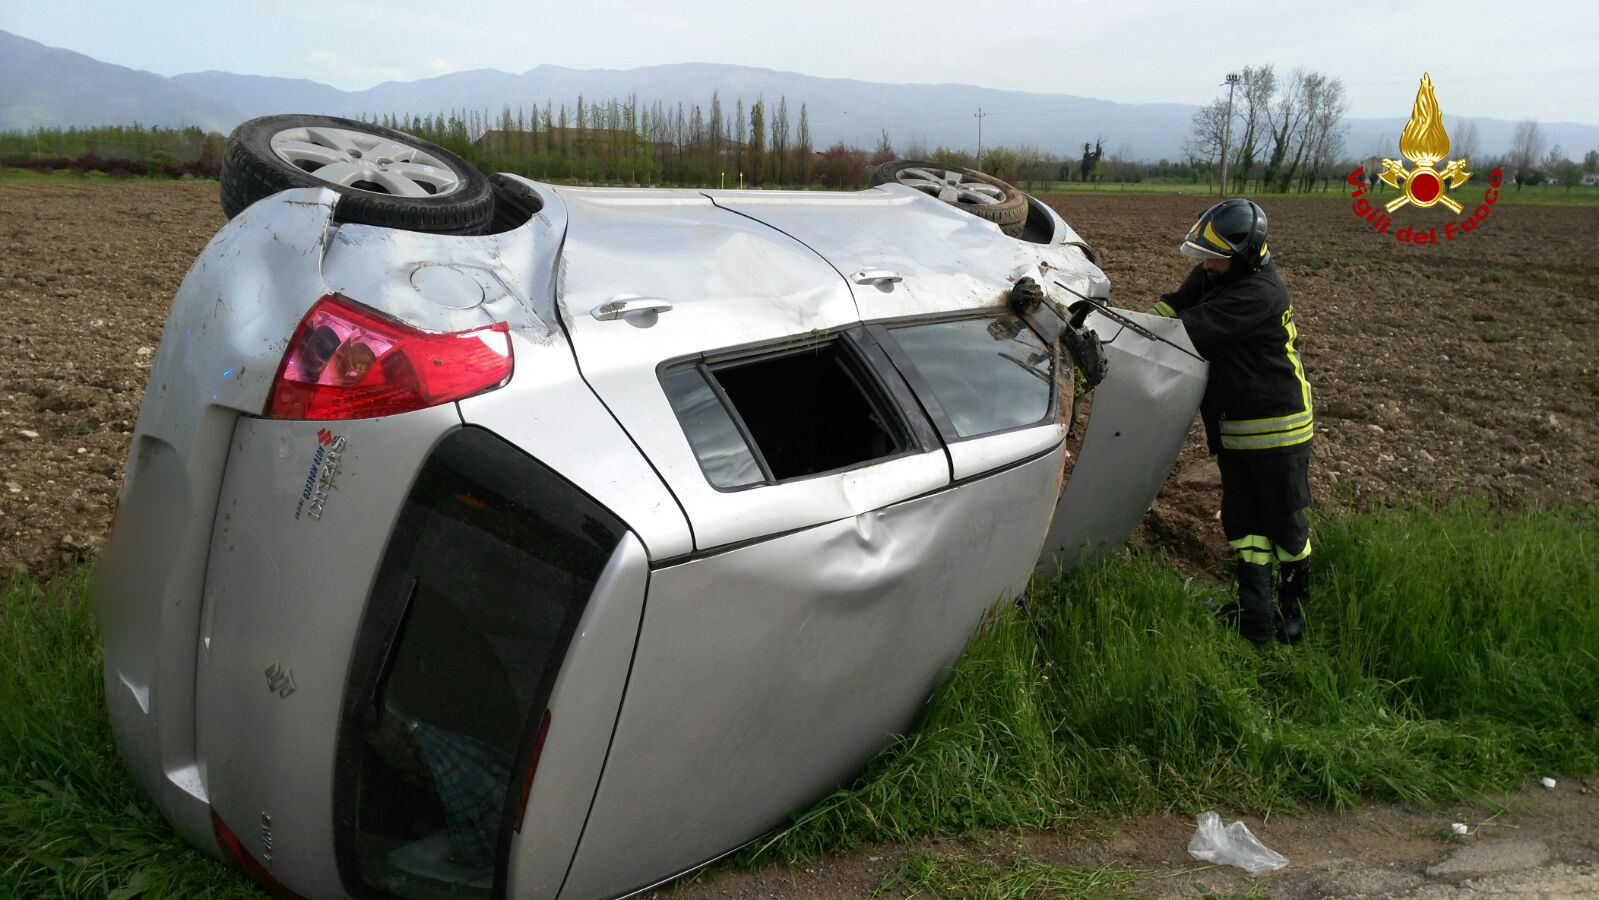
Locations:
742 652
790 677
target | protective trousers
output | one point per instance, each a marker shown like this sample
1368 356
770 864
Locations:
1264 496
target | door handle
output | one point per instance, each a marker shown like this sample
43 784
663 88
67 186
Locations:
627 306
878 277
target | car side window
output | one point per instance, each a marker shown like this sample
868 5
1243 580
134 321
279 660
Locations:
989 374
785 415
718 444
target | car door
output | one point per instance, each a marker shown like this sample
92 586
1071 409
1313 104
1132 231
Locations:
908 257
834 580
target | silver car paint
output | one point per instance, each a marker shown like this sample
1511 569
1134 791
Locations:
732 281
583 706
230 321
948 260
1141 415
282 607
767 674
871 541
547 403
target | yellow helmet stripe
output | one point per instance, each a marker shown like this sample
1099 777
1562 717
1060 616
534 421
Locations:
1214 238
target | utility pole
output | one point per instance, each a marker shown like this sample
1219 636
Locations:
979 117
1226 129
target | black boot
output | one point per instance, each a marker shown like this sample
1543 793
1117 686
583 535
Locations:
1293 595
1251 613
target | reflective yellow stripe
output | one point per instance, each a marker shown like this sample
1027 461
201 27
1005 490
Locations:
1255 557
1162 308
1251 542
1285 556
1211 235
1293 356
1267 441
1277 431
1256 426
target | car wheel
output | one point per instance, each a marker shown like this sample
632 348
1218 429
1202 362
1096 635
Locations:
384 177
984 196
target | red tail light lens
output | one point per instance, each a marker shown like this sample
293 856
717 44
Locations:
349 362
241 858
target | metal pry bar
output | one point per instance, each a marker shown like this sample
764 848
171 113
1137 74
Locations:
1079 311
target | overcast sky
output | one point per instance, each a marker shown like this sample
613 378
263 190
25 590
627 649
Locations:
1503 59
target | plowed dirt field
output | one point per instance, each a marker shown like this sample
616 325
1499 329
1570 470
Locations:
1465 367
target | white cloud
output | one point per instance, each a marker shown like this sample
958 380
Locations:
433 65
345 71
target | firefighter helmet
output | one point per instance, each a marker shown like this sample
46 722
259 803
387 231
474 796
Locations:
1232 229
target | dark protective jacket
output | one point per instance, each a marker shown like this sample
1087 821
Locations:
1258 398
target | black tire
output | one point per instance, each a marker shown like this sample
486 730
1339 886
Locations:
1009 212
252 169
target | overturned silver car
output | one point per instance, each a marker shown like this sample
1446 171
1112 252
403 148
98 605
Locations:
563 554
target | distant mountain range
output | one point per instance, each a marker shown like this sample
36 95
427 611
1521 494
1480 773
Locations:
47 87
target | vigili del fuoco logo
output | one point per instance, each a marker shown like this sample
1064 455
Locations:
1424 142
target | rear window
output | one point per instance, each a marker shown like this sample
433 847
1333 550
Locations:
989 374
783 416
487 572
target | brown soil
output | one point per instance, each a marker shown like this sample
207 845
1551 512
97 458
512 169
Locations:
1468 366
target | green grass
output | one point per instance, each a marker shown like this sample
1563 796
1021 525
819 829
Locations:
979 878
1452 653
71 822
10 175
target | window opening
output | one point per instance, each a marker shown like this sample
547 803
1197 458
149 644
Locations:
785 416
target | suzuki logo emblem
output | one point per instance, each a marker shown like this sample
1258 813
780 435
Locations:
280 680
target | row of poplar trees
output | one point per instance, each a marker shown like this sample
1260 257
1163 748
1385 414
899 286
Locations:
623 141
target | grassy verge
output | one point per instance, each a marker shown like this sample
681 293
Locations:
10 175
1452 652
71 822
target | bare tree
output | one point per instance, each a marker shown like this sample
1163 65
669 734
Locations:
718 132
739 124
1206 132
1260 82
883 152
780 140
1466 143
802 145
757 148
1326 136
1526 150
1283 122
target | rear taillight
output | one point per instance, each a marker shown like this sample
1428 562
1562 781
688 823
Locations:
349 362
532 767
241 858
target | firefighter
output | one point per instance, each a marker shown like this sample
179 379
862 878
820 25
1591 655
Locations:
1256 411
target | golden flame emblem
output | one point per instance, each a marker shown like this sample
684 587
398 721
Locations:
1424 141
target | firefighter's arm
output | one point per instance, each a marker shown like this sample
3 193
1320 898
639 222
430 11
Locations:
1225 318
1186 295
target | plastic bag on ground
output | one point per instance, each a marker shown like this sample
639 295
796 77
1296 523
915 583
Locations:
1232 846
